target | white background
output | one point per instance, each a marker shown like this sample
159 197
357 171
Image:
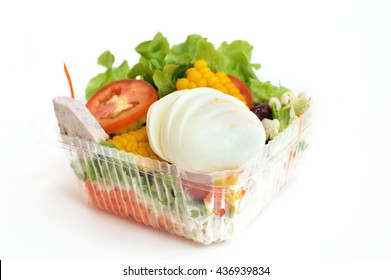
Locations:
339 206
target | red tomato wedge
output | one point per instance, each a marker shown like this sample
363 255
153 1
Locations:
121 103
243 90
196 190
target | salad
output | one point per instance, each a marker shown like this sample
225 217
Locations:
178 139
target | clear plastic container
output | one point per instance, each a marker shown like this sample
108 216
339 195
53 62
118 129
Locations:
204 208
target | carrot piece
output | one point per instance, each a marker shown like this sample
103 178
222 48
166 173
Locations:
124 203
165 223
69 81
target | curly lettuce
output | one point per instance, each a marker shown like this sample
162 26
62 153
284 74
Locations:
111 74
162 65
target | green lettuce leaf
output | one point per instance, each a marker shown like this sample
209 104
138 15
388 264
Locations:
165 79
108 144
162 65
263 91
283 116
154 50
112 74
106 59
189 47
142 70
239 64
215 59
183 54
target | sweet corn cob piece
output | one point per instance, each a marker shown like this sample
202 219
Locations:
200 75
135 142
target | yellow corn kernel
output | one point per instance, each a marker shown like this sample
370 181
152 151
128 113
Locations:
121 140
225 80
225 182
212 80
205 70
190 70
142 152
192 85
207 74
229 85
135 142
221 88
200 64
150 151
143 144
131 147
214 85
139 136
233 91
129 137
116 143
120 146
194 76
240 97
201 82
221 74
200 75
182 83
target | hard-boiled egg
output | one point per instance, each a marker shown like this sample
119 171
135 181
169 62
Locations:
204 130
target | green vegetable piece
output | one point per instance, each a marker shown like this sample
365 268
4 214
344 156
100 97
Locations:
77 168
237 46
96 83
108 144
274 111
106 59
91 171
303 145
111 75
194 213
164 79
161 66
263 91
189 46
155 50
215 59
239 60
182 60
143 70
240 67
283 116
183 54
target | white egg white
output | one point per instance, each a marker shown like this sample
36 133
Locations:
156 113
204 130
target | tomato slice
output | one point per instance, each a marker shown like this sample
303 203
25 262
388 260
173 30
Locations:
121 103
196 190
243 90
